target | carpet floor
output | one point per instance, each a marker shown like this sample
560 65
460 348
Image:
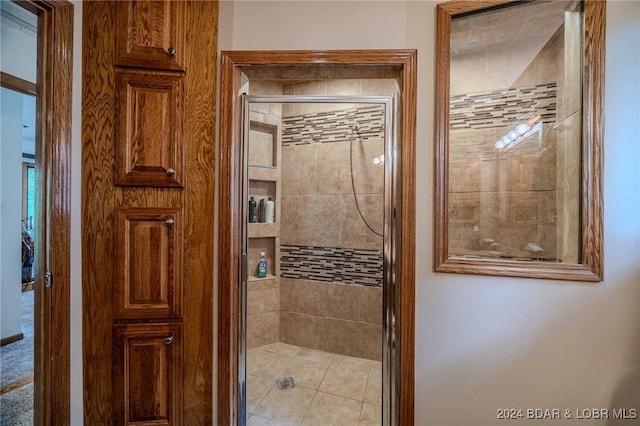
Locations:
16 363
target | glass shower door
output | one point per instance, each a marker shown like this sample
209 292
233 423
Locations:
317 244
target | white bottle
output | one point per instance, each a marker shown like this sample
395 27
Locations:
269 211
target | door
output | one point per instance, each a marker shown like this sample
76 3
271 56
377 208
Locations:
51 352
148 185
252 71
315 343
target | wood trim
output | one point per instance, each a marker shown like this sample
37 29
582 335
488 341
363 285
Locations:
406 252
230 222
17 84
593 138
590 268
10 339
98 199
198 258
16 384
52 365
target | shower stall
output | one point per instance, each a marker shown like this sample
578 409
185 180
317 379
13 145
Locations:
314 336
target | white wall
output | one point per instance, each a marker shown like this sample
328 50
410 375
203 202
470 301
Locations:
485 343
11 213
17 53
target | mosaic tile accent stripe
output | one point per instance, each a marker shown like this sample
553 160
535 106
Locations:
500 108
332 264
334 126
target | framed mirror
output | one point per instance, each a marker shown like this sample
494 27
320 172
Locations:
519 129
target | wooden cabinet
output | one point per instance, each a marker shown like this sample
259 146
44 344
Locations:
150 128
148 263
148 217
148 374
150 34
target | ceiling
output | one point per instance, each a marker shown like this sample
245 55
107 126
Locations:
523 22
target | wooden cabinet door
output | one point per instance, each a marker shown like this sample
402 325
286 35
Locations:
150 34
150 128
148 200
148 374
148 263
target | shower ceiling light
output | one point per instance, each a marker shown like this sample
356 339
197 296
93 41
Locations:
518 134
522 128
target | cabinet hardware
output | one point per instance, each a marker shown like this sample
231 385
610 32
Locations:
168 340
171 171
171 51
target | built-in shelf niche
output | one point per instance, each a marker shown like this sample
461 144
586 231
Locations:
263 151
264 183
264 189
271 247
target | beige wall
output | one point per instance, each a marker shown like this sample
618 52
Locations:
484 343
481 342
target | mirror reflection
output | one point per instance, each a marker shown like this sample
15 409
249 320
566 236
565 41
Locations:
515 119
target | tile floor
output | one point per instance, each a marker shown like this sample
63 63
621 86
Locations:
330 389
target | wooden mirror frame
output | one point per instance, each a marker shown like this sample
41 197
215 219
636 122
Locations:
590 266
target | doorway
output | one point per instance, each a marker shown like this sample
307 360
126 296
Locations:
17 254
47 270
317 246
384 366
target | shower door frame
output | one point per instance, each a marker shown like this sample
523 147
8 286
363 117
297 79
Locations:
237 68
389 243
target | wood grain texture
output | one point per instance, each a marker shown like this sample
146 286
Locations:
146 31
16 384
98 198
593 138
406 245
101 200
201 69
148 374
52 367
229 240
403 64
590 268
150 128
17 84
148 262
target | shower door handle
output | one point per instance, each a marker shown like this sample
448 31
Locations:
244 267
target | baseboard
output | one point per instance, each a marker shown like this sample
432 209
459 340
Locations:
11 339
16 384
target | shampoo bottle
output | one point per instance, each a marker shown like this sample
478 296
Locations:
269 211
253 211
261 211
262 266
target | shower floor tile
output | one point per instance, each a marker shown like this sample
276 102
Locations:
330 389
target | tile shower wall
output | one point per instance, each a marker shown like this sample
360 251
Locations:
344 265
331 264
522 192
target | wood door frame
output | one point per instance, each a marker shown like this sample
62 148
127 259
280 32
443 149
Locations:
52 368
402 62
